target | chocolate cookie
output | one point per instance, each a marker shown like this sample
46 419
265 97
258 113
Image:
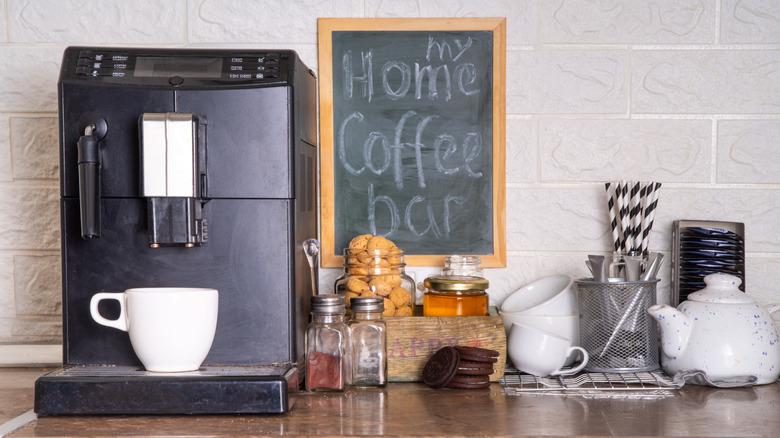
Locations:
475 368
475 354
441 367
469 382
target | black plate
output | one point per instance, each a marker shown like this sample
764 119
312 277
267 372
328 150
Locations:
725 247
709 231
713 264
709 254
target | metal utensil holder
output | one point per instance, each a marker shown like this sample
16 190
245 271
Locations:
615 328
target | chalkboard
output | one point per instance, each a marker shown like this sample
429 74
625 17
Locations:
411 149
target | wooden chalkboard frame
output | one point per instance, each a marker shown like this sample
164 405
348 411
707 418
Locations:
325 29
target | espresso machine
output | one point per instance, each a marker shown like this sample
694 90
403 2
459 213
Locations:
185 168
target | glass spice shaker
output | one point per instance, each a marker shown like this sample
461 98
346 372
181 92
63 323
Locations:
327 344
368 342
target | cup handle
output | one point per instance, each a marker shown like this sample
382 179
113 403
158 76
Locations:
576 369
119 323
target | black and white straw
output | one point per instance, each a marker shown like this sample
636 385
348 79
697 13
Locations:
631 207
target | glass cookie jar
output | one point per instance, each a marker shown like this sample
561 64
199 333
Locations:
378 273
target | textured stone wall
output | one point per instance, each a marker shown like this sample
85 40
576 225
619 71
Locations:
682 91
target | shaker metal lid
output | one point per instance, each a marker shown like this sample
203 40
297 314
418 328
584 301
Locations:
327 303
367 304
456 283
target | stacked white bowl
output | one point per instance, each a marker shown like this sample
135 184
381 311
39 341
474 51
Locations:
548 304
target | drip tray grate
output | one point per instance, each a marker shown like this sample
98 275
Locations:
131 371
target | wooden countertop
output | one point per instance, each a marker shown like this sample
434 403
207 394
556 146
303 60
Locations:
412 409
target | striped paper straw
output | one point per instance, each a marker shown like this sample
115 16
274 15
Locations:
650 213
610 189
635 218
628 241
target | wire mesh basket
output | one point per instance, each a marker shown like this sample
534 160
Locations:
615 328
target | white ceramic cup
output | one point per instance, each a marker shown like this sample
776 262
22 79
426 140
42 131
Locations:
553 295
171 329
541 353
565 326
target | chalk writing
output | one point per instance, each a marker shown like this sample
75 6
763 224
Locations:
412 133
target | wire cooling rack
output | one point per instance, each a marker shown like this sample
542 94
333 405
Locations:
609 385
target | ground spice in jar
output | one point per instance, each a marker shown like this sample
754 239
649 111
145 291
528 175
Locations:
324 371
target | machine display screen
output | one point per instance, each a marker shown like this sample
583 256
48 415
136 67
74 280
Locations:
184 66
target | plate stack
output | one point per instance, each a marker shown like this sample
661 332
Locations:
707 250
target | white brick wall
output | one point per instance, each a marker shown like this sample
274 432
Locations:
682 91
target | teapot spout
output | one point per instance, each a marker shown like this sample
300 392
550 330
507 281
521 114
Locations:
675 329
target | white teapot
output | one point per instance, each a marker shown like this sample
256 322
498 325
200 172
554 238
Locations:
720 331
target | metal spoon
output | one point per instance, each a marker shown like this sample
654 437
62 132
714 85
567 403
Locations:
311 247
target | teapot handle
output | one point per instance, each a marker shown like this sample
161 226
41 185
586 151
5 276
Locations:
773 308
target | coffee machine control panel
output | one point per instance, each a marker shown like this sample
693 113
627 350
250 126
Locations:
181 67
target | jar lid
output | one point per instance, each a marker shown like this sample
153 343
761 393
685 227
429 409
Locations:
328 304
367 304
456 283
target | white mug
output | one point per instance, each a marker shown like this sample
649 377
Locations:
171 329
548 296
541 353
563 326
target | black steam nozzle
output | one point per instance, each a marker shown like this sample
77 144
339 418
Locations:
89 182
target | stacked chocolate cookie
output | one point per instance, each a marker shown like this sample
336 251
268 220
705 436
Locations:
460 367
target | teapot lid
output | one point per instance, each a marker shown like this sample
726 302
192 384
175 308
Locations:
721 288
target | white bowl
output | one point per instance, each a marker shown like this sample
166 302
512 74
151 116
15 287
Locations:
553 295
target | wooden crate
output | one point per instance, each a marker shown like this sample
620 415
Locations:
412 340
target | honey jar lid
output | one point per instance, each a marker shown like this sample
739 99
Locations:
456 283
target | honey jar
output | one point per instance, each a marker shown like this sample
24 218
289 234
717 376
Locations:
455 295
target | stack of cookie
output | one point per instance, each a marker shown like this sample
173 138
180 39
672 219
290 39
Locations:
460 367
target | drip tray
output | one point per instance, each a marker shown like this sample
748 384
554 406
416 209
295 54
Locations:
124 390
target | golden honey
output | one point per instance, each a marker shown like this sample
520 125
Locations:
455 296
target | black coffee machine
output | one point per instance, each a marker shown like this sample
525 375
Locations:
188 168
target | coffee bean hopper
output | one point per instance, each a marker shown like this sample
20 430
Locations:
185 168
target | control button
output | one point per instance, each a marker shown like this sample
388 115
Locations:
84 62
175 80
82 71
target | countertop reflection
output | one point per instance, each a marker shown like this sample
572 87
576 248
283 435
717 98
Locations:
415 410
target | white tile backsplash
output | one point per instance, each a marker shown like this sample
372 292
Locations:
97 21
750 21
628 21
